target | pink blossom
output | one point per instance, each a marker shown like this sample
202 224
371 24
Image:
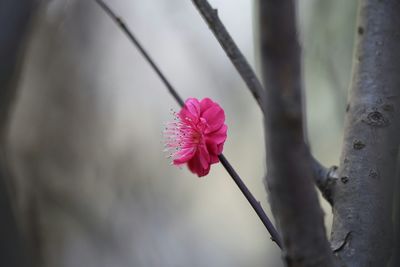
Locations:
197 135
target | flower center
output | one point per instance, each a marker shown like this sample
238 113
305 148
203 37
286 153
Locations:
196 136
182 135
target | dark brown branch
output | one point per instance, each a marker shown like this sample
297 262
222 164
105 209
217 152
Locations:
291 189
363 197
239 182
210 15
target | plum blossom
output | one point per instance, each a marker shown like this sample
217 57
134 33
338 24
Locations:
196 136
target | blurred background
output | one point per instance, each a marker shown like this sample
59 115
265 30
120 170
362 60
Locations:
92 185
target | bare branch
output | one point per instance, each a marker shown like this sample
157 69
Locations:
363 197
292 193
325 179
210 15
254 202
239 182
133 39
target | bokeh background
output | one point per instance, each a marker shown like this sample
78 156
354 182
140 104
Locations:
92 185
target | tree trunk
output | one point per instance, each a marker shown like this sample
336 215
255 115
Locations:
362 200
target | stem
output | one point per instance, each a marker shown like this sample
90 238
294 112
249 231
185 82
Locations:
141 49
236 178
252 200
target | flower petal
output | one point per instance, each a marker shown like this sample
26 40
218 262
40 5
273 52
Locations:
206 103
197 135
213 159
218 136
215 117
204 156
220 147
184 155
191 110
196 167
215 149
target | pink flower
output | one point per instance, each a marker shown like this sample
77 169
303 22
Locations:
197 135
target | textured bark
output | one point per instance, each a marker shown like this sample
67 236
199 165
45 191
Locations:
395 259
362 230
291 189
14 18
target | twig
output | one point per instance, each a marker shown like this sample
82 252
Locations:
210 15
253 202
132 38
325 178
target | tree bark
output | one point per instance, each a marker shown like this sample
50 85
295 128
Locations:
362 228
289 180
395 259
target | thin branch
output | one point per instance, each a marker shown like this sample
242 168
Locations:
254 202
293 197
133 39
325 178
210 15
239 182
